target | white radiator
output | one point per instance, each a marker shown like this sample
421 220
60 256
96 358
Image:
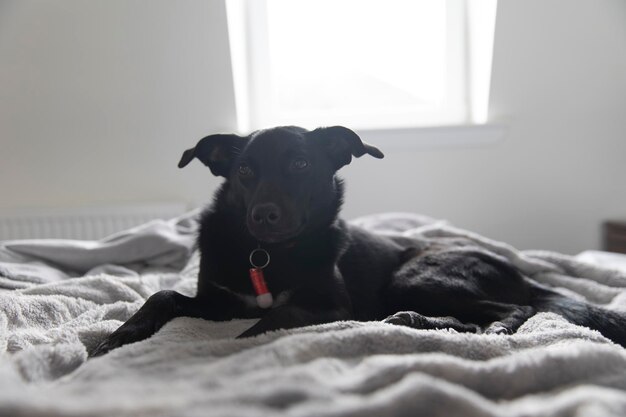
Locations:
84 223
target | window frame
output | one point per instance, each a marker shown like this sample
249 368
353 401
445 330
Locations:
247 21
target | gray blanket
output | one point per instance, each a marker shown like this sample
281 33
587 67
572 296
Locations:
62 297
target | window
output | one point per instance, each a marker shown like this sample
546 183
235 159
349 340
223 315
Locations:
368 64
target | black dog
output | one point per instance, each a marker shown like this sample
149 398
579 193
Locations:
272 247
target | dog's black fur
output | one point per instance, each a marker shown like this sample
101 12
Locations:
281 193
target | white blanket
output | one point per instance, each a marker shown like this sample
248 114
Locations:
193 367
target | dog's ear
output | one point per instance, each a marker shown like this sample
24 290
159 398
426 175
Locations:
342 144
215 151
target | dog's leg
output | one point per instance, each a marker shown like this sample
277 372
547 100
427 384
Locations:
419 321
164 306
304 308
291 316
160 308
501 318
504 318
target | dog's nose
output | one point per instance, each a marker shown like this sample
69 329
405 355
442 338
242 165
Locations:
266 213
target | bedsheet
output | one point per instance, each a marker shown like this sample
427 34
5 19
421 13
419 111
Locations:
59 298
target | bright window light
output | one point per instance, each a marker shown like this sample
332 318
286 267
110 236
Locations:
361 63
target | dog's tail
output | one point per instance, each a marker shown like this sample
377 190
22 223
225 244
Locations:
611 324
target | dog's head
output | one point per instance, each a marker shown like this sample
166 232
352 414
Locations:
284 177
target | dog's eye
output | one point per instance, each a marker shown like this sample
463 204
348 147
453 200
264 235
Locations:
245 170
299 164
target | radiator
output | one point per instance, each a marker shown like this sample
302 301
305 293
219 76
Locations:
81 223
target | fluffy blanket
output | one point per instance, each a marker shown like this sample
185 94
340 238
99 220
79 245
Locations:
60 298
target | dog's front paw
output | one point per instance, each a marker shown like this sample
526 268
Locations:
418 321
406 318
104 347
122 336
498 328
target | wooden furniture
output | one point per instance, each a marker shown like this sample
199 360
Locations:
614 236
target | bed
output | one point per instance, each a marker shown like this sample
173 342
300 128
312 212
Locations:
58 298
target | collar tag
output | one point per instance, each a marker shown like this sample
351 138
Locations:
264 297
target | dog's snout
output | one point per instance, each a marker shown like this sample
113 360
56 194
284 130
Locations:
268 213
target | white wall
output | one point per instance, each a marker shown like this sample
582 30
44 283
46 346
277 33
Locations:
559 83
98 99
